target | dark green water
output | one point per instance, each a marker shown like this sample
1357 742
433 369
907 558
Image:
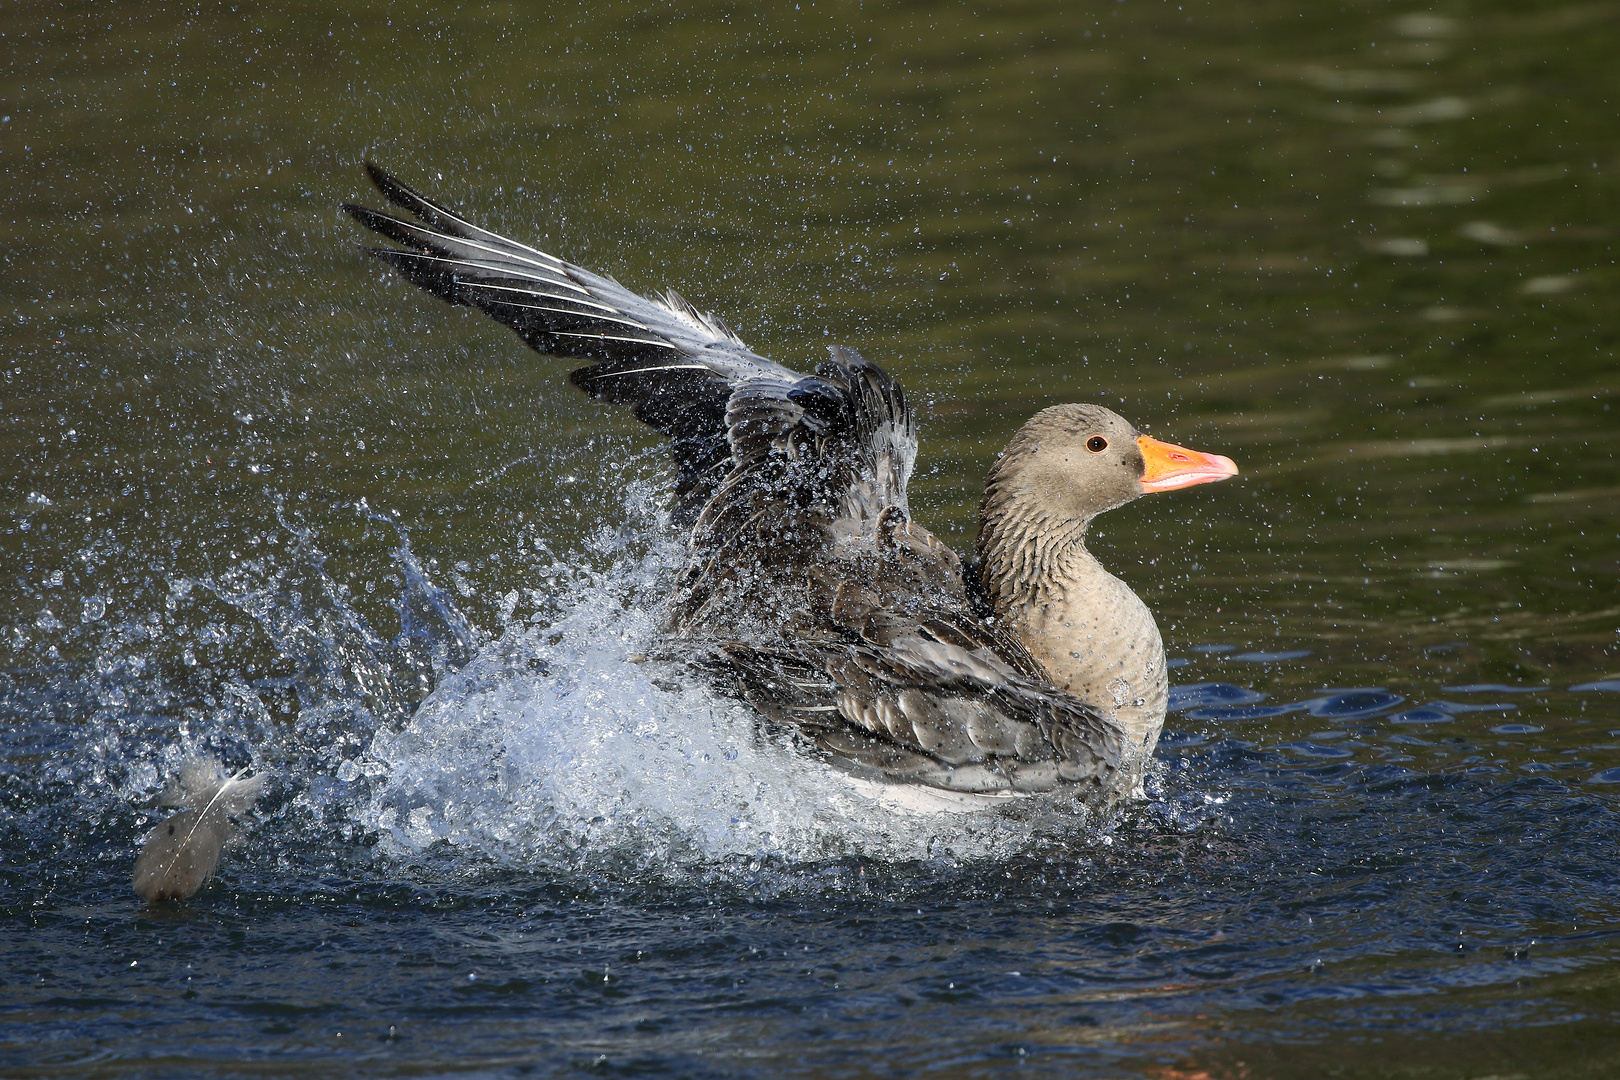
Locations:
1366 250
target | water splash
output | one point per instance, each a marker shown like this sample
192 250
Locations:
562 746
554 746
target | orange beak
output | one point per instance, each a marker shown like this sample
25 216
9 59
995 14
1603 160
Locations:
1170 467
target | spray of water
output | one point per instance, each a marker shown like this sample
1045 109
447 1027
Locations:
561 745
548 743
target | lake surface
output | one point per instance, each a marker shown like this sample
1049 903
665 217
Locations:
263 501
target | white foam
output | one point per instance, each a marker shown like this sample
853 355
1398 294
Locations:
558 747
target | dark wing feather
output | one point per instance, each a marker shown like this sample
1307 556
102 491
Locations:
674 365
885 432
814 496
922 710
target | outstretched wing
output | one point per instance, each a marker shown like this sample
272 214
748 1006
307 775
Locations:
675 365
684 372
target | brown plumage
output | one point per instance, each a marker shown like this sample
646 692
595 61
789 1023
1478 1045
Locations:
808 587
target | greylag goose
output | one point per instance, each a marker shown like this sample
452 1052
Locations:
809 589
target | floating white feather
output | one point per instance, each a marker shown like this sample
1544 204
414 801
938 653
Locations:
183 851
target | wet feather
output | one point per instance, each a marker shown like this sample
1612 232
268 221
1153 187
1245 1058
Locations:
183 851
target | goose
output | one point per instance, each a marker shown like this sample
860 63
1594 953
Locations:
809 592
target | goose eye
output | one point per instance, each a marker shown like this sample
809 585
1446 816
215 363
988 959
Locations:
1096 444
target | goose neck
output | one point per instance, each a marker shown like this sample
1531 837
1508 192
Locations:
1026 558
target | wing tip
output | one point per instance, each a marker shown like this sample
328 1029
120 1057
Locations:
379 175
392 187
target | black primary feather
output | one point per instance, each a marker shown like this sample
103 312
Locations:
675 366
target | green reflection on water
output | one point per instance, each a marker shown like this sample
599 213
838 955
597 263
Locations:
1368 255
1369 260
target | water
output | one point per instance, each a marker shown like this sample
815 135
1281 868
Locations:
264 502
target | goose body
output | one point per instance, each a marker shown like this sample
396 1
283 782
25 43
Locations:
809 589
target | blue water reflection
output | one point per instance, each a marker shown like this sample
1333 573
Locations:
1270 657
1210 693
1307 748
1242 712
1355 703
1492 688
1419 716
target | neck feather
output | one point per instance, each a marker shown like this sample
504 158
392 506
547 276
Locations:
1024 549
